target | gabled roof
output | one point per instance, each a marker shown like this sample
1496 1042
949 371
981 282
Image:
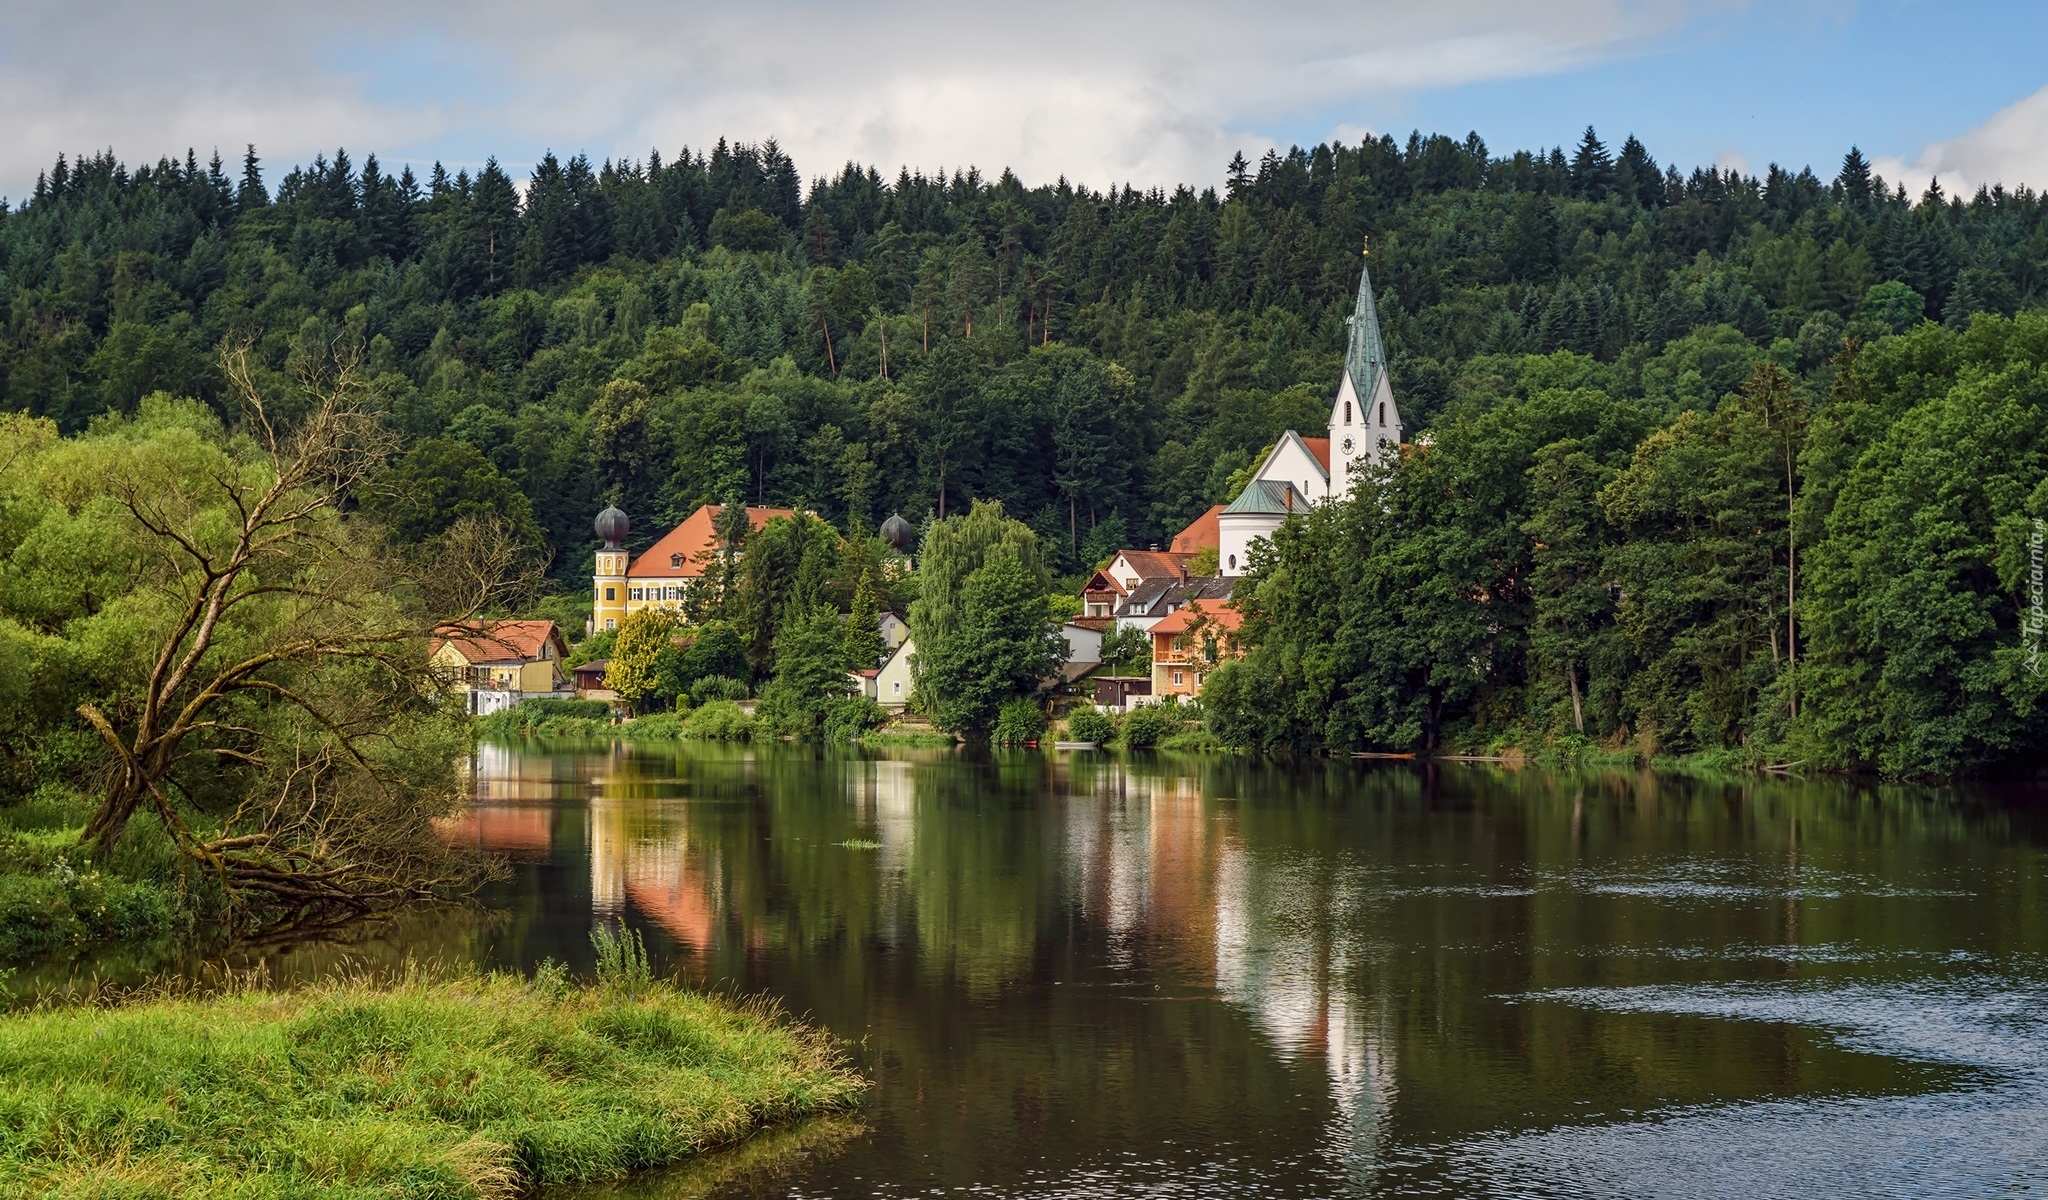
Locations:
1153 564
1267 497
1218 612
1365 359
693 542
1202 534
1319 448
481 642
1103 581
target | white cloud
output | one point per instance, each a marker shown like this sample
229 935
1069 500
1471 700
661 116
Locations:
2011 148
1150 92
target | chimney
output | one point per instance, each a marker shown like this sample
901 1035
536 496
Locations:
1183 573
1154 547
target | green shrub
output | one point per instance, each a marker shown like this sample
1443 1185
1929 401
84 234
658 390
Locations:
852 718
1148 726
1090 725
1019 721
719 721
717 687
654 727
1193 741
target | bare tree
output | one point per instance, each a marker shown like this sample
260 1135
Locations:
292 655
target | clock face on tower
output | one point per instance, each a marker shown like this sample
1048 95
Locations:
1347 445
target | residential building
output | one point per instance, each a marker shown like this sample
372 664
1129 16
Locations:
664 574
893 684
496 664
1189 644
1300 472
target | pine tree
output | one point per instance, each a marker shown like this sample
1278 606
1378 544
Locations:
251 194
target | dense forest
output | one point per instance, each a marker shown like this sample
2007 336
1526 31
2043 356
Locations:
1656 410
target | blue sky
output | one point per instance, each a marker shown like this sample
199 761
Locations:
1147 91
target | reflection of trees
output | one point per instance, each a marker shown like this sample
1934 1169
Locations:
1034 946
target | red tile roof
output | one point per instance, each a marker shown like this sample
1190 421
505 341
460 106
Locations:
1202 533
1154 564
1219 612
499 641
684 552
1320 447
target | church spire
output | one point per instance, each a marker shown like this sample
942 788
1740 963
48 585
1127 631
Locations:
1366 358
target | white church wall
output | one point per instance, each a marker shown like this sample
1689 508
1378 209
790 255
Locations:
1235 533
1291 463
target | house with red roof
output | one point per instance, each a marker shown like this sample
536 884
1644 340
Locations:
497 664
662 575
1191 642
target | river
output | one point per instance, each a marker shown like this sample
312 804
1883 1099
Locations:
1082 975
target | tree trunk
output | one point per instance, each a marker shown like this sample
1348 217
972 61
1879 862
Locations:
1571 674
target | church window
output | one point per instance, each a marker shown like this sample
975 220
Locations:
1233 562
611 594
675 561
1347 412
1383 412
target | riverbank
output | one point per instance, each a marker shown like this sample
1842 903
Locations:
474 1086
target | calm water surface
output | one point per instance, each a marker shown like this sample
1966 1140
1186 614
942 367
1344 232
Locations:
1082 975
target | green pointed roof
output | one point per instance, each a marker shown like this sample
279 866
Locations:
1366 358
1267 497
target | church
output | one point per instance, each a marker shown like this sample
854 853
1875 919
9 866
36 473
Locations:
1301 472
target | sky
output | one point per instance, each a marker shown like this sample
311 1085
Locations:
1152 93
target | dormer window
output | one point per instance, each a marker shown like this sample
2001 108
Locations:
675 562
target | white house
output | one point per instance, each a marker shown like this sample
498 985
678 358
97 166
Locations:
1299 472
892 682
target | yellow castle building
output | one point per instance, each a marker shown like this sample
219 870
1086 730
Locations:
662 575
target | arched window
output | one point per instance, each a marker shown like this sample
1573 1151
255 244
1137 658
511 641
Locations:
1383 412
1347 412
1233 562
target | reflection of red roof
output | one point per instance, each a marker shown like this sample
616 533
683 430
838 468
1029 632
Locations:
503 828
1219 612
1202 534
1320 447
482 642
683 552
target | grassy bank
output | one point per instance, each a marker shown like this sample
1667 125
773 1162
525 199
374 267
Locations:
472 1086
53 897
715 720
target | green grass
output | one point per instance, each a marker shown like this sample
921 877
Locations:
888 737
469 1086
54 897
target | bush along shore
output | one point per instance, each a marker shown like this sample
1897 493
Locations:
459 1086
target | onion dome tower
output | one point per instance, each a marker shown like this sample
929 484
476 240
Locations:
608 587
899 533
613 526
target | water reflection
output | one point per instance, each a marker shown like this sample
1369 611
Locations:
1079 975
1096 977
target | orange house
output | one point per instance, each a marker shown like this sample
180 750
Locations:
1187 645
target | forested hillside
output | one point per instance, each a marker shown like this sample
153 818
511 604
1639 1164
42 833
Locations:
1602 352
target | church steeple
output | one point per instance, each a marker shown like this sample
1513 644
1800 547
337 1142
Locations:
1366 358
1365 424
